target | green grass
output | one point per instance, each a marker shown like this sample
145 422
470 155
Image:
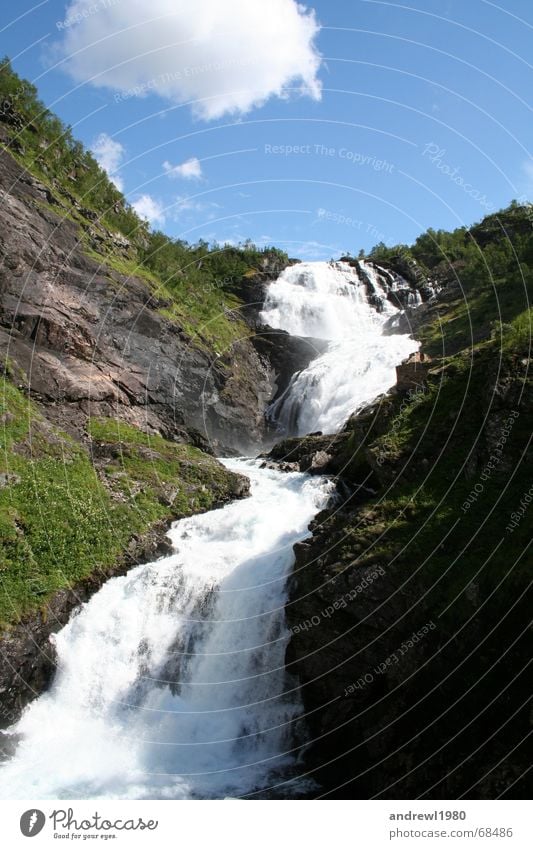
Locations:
206 313
62 519
434 450
55 516
516 334
210 317
148 471
469 320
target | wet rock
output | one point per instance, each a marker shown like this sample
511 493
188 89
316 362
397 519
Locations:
320 461
28 654
280 466
8 479
285 354
95 341
412 373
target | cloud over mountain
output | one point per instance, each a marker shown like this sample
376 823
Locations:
109 154
191 169
150 209
219 57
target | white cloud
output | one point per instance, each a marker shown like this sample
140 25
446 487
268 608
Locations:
191 169
313 250
150 209
221 57
109 154
189 205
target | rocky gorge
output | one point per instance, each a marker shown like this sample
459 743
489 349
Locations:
407 605
85 342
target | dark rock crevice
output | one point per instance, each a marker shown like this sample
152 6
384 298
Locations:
83 333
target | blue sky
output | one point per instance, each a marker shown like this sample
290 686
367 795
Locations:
392 117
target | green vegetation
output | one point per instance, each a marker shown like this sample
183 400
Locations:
48 149
436 456
63 517
54 514
206 284
450 525
202 283
488 266
452 469
153 474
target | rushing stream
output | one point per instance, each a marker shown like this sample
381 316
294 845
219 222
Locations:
330 301
171 679
112 727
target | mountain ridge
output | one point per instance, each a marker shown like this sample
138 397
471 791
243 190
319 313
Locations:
110 337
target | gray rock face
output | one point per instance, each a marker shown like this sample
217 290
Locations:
92 341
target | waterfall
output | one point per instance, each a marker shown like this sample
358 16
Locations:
349 307
171 680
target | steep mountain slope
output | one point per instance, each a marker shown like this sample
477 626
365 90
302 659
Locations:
410 605
127 359
99 341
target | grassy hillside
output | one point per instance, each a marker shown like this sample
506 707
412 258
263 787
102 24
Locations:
69 510
68 507
202 282
487 274
445 523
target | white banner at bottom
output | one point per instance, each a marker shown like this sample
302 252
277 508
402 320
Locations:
264 824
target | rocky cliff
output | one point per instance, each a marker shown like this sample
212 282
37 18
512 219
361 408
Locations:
409 606
92 341
122 374
116 387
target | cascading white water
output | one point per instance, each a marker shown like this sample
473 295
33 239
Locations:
171 680
330 301
210 620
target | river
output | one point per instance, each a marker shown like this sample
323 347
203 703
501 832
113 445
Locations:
171 681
